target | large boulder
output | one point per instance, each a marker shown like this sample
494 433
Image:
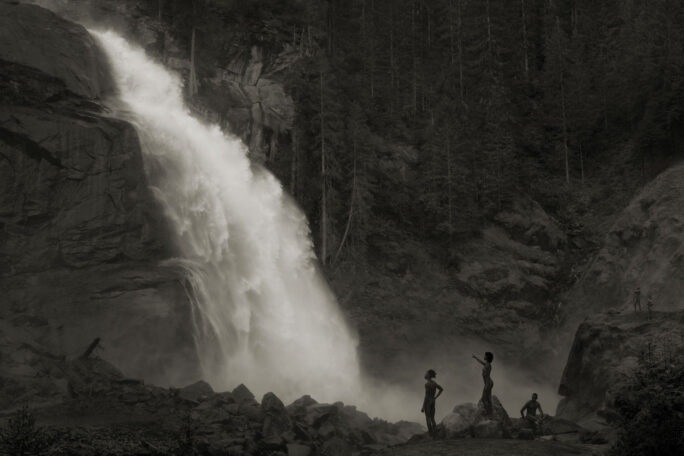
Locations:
606 349
458 422
468 420
276 419
61 49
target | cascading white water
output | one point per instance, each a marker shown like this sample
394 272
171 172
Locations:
262 313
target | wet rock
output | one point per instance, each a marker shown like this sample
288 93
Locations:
336 447
252 411
242 394
67 52
605 350
458 422
488 429
196 392
299 406
276 419
83 236
470 420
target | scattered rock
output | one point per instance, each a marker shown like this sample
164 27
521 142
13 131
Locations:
276 419
242 394
196 392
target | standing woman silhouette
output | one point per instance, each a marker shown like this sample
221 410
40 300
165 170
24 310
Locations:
432 392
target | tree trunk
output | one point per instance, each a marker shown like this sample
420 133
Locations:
324 208
460 53
490 41
564 118
351 209
525 46
449 192
193 72
581 163
414 57
391 58
293 164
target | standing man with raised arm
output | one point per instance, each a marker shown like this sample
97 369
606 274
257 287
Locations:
488 383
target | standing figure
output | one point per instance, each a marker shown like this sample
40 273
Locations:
531 408
488 383
637 299
649 306
432 392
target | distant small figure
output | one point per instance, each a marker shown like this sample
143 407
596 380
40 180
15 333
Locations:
531 408
488 383
649 306
432 392
637 299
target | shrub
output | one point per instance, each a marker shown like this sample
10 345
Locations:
650 408
21 437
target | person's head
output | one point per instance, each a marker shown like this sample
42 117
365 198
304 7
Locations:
430 374
534 396
489 357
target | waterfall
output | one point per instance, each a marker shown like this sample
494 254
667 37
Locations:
262 314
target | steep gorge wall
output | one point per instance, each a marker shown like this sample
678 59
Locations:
82 241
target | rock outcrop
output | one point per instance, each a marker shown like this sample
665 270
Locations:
82 241
606 349
241 88
468 420
643 248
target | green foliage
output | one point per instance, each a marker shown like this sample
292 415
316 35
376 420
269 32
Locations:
651 409
21 437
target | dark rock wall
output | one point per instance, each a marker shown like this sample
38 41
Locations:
82 241
605 351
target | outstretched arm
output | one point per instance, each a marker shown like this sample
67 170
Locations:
522 411
478 360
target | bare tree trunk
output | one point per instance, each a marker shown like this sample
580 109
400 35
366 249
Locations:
460 53
351 209
193 72
564 118
392 57
449 191
294 164
525 45
414 57
581 163
490 41
324 207
451 32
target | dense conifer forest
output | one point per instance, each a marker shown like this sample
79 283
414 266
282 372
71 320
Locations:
420 119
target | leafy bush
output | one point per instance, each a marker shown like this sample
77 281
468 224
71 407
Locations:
651 409
21 437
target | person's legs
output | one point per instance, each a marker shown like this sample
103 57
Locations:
487 397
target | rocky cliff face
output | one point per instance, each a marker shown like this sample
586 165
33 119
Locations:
82 242
643 248
606 349
240 87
